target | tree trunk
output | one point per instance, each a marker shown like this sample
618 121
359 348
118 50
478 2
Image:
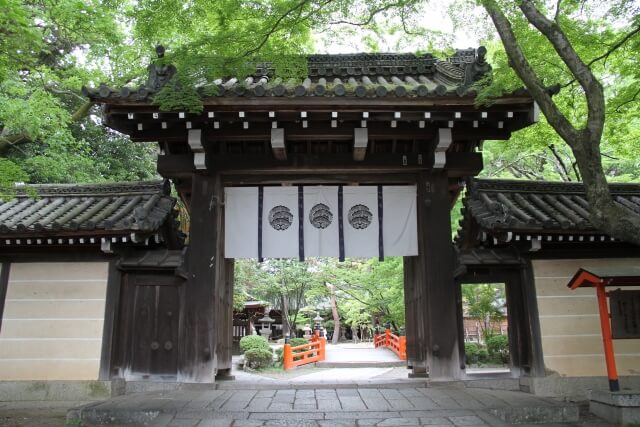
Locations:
606 215
286 326
334 312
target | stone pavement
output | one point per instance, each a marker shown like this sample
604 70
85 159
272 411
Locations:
447 405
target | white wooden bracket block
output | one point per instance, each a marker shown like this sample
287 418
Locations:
443 142
277 144
360 142
195 142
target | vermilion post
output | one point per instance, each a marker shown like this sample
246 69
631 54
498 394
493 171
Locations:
321 350
387 337
612 372
403 347
288 356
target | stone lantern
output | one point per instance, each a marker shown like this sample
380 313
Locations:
307 331
266 322
318 322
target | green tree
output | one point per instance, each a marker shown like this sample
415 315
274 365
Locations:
290 286
582 46
485 303
588 48
369 286
48 50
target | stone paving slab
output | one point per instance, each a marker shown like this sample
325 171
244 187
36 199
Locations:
450 406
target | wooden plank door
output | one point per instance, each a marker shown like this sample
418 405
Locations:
150 326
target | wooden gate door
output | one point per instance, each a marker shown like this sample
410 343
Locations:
149 325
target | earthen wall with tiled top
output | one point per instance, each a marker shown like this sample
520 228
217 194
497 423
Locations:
569 321
52 321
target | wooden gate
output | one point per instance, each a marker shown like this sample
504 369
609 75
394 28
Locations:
149 336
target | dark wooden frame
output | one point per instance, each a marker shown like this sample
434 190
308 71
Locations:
4 284
525 342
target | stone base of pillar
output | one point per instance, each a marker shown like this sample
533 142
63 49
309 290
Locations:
224 375
418 372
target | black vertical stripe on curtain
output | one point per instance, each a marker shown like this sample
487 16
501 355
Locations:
260 209
380 229
340 224
301 222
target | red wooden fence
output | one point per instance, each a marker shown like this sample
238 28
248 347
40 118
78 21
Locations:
305 353
397 344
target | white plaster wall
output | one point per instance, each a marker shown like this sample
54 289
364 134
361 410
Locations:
570 324
52 321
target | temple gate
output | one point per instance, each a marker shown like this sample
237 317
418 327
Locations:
356 120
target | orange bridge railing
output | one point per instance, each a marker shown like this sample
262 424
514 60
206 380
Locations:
305 353
397 344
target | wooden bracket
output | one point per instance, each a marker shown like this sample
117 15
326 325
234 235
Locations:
360 142
195 142
443 142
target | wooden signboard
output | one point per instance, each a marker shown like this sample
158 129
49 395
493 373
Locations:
625 314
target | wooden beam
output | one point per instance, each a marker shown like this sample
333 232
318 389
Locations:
464 164
181 165
173 120
317 132
330 103
317 179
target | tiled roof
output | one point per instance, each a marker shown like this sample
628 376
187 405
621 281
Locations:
354 75
537 207
86 210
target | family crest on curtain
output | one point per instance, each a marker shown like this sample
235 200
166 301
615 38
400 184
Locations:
327 221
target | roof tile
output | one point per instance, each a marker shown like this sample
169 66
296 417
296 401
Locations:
93 209
533 206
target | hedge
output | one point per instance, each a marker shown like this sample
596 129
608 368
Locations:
258 358
252 342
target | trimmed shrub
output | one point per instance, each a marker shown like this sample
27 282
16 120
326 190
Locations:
280 356
294 342
258 358
475 353
498 348
253 341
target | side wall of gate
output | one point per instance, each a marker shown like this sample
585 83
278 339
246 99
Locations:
570 324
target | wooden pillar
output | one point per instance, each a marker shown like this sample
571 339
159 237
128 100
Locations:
224 316
198 347
436 262
414 313
530 301
519 345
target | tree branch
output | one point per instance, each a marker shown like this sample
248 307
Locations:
628 101
557 16
523 69
371 16
614 47
609 51
592 88
560 162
